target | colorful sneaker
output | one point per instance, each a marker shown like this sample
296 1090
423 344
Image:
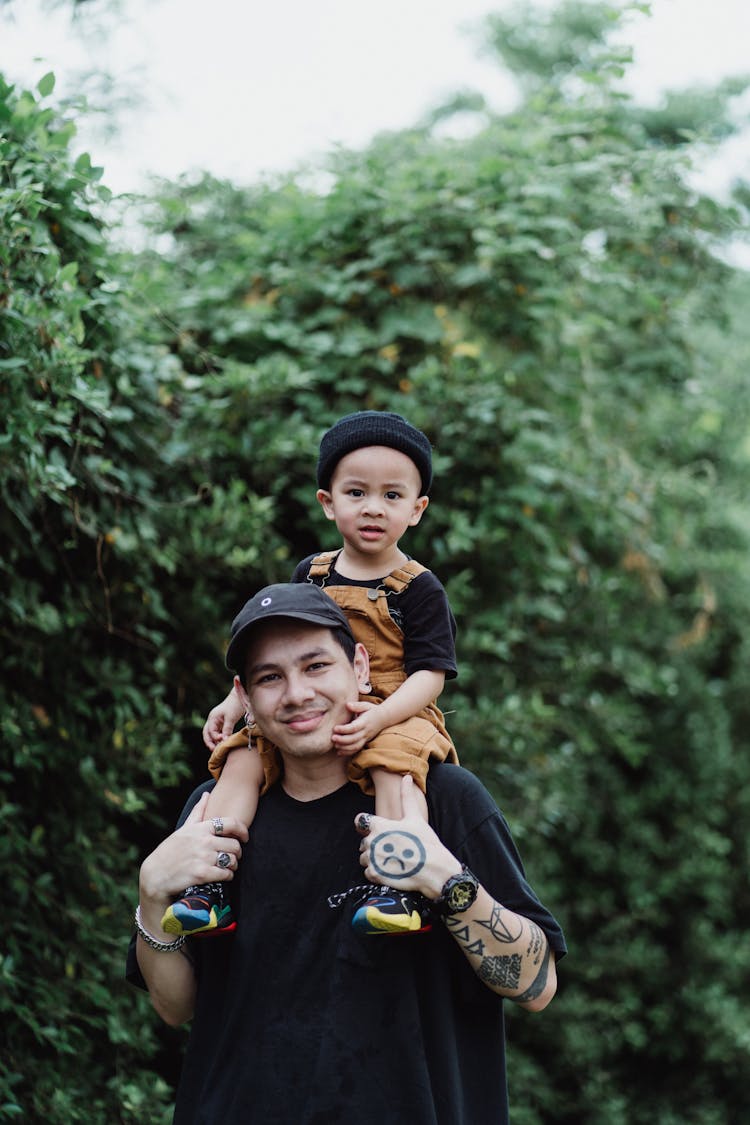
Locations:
387 911
201 910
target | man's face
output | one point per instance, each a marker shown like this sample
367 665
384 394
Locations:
298 683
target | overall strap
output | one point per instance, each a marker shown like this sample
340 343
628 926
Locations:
321 566
394 583
398 580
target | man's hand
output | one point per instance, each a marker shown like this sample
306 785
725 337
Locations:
406 854
188 857
185 858
509 953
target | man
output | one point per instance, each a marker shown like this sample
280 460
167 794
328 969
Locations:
297 1019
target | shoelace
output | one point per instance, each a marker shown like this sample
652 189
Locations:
362 891
202 889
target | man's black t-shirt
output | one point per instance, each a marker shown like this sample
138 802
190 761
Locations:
301 1021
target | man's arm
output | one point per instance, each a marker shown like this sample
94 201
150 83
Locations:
186 858
509 953
169 977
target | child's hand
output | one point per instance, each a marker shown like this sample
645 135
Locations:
222 719
348 738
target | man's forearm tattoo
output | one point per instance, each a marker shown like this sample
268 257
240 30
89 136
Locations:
462 934
537 986
537 942
503 972
500 930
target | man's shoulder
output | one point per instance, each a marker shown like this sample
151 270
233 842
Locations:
466 817
447 780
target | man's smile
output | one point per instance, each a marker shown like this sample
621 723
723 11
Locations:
304 721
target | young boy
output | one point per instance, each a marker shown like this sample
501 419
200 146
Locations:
374 475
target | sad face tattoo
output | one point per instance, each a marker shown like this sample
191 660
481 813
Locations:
397 855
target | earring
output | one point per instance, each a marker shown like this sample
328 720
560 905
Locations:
249 719
365 689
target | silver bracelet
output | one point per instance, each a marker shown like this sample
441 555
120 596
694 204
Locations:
159 946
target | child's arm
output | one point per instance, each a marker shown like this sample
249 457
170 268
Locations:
415 693
237 791
222 719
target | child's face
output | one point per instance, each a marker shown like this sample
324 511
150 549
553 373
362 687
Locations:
374 497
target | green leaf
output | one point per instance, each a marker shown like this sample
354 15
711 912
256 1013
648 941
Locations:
46 84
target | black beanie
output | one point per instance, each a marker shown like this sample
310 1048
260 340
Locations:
374 427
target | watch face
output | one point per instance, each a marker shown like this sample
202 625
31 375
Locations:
459 892
461 896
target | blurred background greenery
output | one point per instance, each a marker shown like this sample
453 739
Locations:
551 299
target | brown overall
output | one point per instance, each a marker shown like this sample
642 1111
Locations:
404 748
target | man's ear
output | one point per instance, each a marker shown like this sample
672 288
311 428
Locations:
324 499
362 668
419 507
244 699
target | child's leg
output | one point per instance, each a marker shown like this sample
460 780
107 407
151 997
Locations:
237 790
404 748
204 909
387 909
388 794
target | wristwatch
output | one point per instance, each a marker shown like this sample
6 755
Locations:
458 893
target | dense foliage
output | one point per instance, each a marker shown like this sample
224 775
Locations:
546 299
88 698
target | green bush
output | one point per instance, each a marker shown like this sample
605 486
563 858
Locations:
88 710
546 299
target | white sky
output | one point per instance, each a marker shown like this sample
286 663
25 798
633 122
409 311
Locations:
240 87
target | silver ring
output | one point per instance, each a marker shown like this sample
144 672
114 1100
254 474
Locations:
223 859
218 825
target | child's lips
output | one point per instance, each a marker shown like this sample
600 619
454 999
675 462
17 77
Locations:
371 532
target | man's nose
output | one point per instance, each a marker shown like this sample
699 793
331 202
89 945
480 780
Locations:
298 689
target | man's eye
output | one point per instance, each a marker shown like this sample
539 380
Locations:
268 678
318 666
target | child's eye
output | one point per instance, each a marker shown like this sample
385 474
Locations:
391 495
356 493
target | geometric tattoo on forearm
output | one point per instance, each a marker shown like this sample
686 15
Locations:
462 934
504 972
500 930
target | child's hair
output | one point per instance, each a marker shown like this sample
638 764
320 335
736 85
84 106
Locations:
374 427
